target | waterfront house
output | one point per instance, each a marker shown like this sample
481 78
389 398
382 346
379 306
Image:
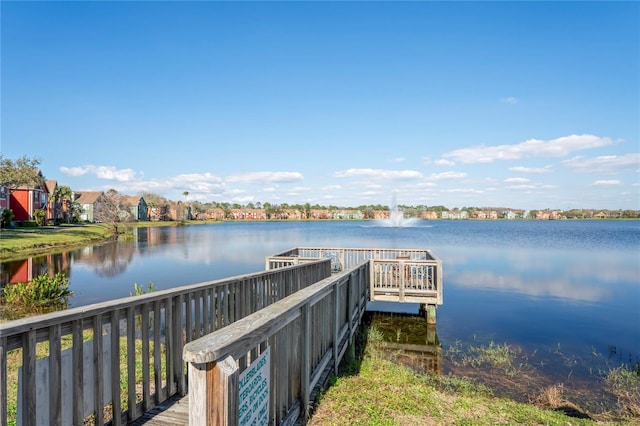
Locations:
25 200
136 207
87 201
158 213
248 214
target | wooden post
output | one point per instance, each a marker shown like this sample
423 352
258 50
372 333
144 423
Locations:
213 393
305 370
431 314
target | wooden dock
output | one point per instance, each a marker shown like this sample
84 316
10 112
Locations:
303 310
173 412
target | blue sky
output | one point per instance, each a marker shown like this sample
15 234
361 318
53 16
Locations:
527 105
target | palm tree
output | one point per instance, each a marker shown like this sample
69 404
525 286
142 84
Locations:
186 200
63 195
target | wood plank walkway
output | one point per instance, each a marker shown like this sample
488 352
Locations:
173 412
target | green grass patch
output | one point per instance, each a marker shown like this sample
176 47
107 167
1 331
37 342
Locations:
14 362
21 243
383 392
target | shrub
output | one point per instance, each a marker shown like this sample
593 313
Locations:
43 291
7 217
39 215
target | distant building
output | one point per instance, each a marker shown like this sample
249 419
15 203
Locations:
24 201
137 207
87 201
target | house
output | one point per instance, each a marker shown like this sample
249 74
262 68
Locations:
4 198
455 214
248 214
548 215
510 214
320 214
429 215
87 201
137 207
54 210
158 213
24 201
347 214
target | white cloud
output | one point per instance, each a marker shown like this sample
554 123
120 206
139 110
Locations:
520 169
523 186
299 189
265 177
426 185
397 160
243 200
559 147
464 190
101 172
379 174
332 188
606 164
447 175
443 162
509 100
74 171
516 180
612 182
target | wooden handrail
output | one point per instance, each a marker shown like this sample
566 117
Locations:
161 322
307 334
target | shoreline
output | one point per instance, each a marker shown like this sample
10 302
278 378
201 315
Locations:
20 243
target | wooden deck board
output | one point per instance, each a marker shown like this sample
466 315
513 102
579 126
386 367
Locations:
174 412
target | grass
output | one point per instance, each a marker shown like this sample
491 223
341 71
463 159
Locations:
25 242
14 362
376 390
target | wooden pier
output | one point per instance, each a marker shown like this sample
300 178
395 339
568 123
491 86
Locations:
295 320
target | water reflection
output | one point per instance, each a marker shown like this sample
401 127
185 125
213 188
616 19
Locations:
108 260
409 340
579 275
22 271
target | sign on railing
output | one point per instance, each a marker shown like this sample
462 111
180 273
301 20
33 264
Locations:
253 389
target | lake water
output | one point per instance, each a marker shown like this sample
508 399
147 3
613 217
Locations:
567 293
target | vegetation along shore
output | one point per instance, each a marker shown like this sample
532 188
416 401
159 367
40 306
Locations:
374 388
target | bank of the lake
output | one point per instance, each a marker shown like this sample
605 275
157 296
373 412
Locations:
26 242
20 243
376 389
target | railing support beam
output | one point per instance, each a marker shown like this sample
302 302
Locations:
216 384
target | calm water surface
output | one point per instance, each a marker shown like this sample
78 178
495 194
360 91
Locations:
549 287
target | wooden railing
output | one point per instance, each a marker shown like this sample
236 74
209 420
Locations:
299 340
344 258
69 377
406 280
398 275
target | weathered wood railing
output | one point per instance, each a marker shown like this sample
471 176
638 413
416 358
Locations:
344 258
305 336
137 364
397 275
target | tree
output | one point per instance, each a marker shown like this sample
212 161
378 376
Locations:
111 209
187 209
21 172
63 196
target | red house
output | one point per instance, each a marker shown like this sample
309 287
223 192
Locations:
26 200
